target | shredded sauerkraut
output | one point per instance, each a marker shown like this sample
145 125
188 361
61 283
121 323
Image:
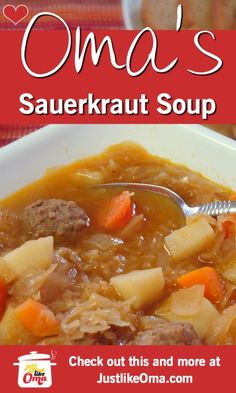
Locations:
96 315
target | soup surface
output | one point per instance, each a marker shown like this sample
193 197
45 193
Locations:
87 265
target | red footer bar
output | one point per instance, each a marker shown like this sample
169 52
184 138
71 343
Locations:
167 369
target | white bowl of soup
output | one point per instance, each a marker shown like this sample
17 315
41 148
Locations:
84 265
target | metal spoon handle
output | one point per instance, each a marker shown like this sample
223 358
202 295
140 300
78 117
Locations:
216 208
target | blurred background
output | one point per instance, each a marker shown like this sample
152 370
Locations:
123 14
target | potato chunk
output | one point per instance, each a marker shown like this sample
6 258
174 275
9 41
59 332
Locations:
192 307
190 240
32 254
11 330
144 286
200 321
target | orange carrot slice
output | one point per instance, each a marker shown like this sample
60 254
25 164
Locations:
229 228
37 318
117 212
206 276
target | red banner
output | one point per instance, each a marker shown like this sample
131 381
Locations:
100 369
81 92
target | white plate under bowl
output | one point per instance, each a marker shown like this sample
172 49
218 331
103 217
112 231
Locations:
131 10
202 150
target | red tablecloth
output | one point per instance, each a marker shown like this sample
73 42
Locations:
89 14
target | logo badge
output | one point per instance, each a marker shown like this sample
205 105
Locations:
34 370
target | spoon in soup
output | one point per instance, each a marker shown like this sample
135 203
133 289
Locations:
214 209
